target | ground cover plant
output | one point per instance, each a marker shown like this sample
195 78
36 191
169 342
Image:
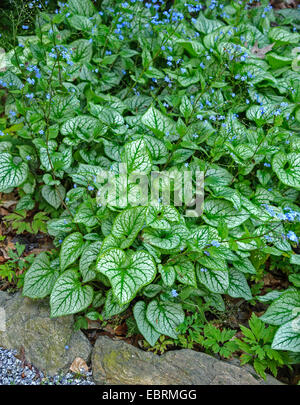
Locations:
173 87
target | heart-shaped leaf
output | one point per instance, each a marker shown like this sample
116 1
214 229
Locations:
165 317
145 327
12 173
69 296
71 249
128 224
127 274
40 277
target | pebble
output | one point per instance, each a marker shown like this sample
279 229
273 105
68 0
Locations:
12 372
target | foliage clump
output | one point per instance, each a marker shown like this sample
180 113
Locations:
204 87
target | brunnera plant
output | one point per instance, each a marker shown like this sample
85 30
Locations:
205 86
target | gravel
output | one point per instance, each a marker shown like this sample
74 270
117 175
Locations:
14 372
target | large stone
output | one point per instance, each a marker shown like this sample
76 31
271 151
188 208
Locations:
116 362
49 344
44 341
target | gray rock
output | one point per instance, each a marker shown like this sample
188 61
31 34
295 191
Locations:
116 362
51 345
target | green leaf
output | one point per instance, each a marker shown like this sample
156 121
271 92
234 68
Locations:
145 327
109 116
181 155
82 51
128 224
186 107
229 194
161 238
165 317
71 249
193 47
284 309
213 262
185 273
81 7
127 274
25 203
13 172
86 214
137 157
216 210
82 127
157 149
295 259
54 195
168 275
287 168
69 296
88 257
205 25
202 236
277 61
157 122
152 290
64 107
287 336
80 22
244 265
161 216
238 286
112 307
217 281
283 36
40 277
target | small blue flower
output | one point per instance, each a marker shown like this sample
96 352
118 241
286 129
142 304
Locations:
292 236
174 293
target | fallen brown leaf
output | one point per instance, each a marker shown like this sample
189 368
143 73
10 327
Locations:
261 52
121 330
79 366
8 203
4 253
3 211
